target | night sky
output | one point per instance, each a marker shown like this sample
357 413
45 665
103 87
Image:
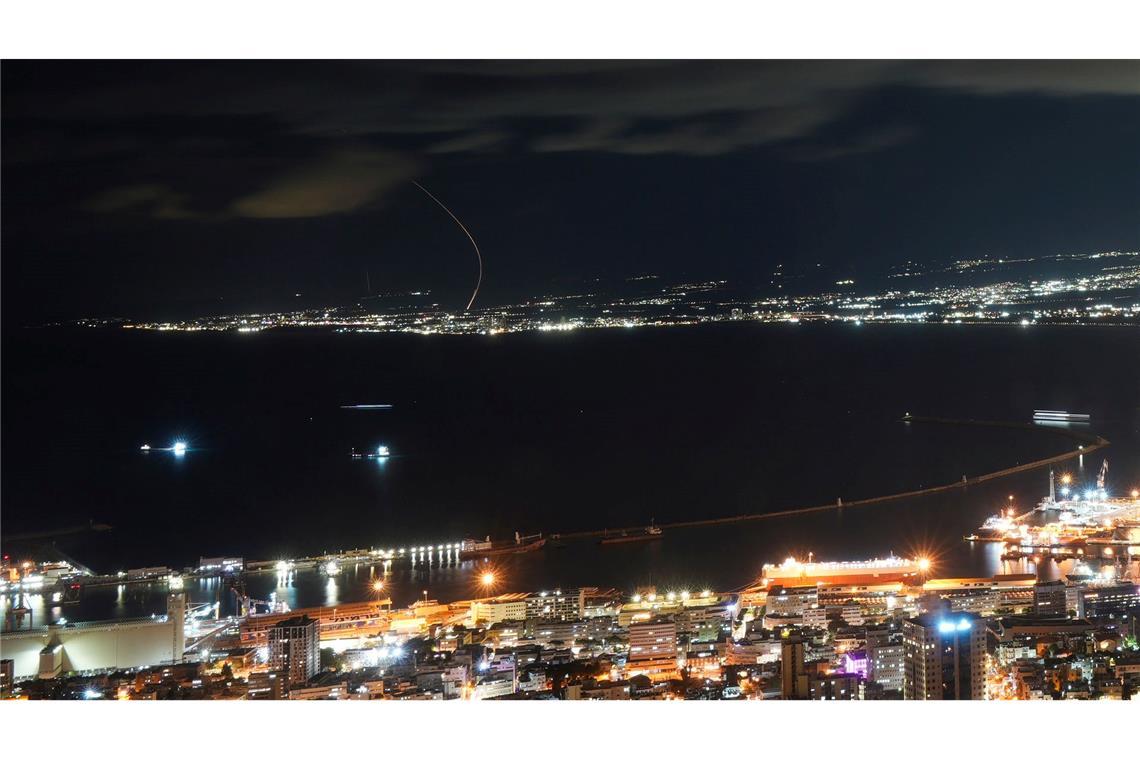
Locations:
153 189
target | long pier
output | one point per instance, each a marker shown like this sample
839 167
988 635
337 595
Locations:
1089 444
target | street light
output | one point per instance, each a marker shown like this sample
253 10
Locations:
378 586
488 579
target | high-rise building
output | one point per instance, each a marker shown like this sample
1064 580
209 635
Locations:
886 665
294 648
653 648
1103 600
267 685
841 686
176 612
1050 599
944 656
793 673
653 640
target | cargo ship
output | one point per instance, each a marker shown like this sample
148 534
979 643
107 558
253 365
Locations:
794 572
473 549
652 533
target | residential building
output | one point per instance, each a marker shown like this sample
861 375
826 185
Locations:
294 648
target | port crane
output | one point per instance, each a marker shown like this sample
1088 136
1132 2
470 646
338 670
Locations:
247 605
14 619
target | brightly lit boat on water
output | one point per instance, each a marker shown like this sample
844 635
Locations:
794 572
381 452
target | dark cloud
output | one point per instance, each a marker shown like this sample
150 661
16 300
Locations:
337 183
472 142
859 144
157 201
467 105
163 122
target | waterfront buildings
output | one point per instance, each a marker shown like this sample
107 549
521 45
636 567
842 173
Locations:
1000 637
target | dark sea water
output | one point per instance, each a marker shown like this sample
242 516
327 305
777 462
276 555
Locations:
541 432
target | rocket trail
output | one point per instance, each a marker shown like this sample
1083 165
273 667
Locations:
478 255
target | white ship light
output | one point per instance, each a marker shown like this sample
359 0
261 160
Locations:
381 451
179 448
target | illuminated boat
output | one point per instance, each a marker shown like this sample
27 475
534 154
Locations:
1049 415
794 572
382 452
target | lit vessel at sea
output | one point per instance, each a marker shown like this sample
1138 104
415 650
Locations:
382 452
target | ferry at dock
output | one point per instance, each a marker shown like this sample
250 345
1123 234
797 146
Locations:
794 572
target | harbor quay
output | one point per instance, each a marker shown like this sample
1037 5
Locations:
805 628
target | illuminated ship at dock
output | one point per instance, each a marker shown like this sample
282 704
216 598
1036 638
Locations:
1082 523
793 572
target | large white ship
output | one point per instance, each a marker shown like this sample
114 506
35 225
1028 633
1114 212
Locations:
794 572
